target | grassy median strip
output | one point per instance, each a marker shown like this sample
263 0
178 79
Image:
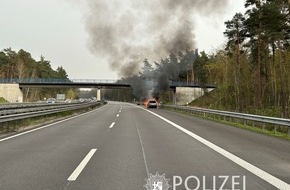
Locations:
267 129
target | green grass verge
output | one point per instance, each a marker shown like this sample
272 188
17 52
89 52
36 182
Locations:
3 100
257 129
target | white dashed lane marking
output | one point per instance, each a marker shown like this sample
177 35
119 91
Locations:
81 166
112 125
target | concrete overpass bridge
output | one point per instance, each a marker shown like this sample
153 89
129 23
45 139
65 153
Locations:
65 83
82 83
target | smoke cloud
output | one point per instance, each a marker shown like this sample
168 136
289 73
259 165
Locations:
127 31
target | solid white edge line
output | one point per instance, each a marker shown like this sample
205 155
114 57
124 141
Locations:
51 124
112 125
246 165
81 166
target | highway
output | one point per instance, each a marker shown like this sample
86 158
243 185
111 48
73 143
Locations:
119 145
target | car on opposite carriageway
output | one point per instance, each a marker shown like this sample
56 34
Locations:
51 100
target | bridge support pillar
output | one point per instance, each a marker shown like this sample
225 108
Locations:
99 98
11 92
174 96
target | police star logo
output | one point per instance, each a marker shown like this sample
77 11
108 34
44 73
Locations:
157 182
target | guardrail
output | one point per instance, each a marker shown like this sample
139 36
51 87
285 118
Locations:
233 115
12 112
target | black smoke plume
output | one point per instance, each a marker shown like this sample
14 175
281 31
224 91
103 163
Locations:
127 31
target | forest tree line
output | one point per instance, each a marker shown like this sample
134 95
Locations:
21 65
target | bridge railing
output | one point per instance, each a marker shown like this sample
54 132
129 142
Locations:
34 80
190 84
234 116
57 80
94 81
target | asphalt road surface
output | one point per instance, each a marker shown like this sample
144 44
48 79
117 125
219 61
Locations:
123 146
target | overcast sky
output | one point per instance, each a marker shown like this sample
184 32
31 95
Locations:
56 30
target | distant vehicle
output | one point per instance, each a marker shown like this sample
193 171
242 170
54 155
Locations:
151 103
82 100
67 101
51 100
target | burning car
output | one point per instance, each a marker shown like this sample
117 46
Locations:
151 103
